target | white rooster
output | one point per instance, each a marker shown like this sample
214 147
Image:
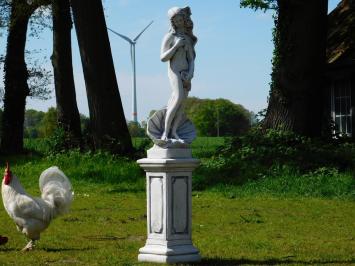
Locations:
33 215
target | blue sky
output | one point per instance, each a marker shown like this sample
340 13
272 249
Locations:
233 53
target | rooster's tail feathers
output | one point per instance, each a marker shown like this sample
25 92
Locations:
56 189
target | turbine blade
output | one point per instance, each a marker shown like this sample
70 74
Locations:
122 36
135 39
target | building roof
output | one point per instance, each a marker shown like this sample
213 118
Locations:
341 31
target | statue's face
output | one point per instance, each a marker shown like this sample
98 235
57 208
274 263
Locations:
178 21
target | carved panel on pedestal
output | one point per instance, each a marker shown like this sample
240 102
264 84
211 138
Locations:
180 204
156 204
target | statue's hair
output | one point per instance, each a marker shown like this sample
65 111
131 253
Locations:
189 30
186 13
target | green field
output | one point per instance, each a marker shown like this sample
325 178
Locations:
282 219
106 227
201 146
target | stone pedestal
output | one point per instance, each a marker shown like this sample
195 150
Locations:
169 206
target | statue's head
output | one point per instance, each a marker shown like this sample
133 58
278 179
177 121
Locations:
180 17
172 12
177 17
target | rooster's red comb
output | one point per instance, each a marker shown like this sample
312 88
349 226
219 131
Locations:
7 176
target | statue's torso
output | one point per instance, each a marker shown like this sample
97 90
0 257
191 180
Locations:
179 62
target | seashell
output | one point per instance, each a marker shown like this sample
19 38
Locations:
155 128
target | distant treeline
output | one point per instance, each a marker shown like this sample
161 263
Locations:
40 124
218 117
211 118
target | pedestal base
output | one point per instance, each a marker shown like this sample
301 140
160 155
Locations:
160 153
169 254
169 259
169 206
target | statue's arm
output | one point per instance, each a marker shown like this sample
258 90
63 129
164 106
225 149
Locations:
168 50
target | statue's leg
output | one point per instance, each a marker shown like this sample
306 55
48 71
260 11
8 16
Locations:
174 104
176 122
179 116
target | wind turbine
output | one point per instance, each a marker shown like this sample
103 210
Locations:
133 59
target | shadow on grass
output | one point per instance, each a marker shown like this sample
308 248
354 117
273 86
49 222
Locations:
125 190
3 250
66 249
273 261
7 249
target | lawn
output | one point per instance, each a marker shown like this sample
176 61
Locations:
106 227
287 219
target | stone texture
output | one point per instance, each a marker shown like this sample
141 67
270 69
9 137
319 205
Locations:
170 164
155 128
169 127
169 210
157 152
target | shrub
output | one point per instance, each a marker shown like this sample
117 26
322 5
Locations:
61 141
258 154
281 147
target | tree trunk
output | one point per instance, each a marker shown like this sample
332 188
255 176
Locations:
297 90
108 123
67 110
15 72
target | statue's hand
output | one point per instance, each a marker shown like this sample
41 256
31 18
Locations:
180 42
185 75
187 85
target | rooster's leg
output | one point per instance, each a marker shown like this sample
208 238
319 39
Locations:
30 246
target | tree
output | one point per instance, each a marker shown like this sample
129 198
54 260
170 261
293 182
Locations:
296 94
33 119
218 117
49 123
39 78
16 73
135 129
67 109
259 4
108 123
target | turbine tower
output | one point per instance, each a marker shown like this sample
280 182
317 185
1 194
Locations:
133 59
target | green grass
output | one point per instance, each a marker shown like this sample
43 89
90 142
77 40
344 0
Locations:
124 175
202 147
282 181
284 218
39 145
107 228
88 168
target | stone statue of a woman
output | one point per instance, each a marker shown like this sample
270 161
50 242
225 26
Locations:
169 163
178 50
